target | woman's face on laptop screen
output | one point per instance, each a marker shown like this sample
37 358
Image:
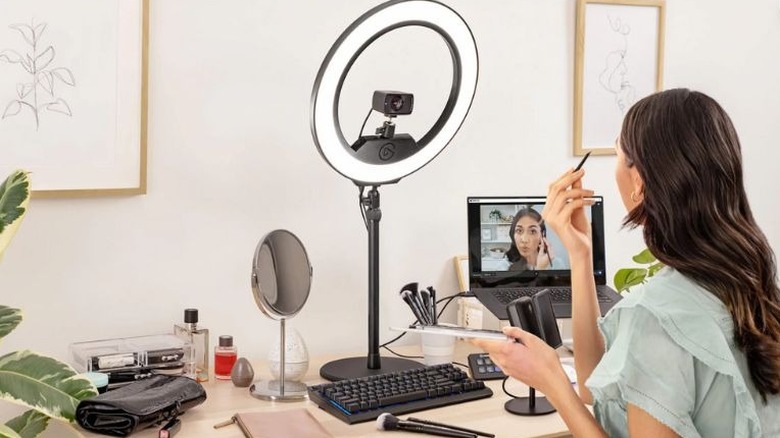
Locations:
528 238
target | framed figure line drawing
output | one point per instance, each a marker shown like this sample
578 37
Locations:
73 95
619 52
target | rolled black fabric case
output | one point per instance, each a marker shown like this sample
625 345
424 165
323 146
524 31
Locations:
139 405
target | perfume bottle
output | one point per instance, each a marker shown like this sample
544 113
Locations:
197 363
225 355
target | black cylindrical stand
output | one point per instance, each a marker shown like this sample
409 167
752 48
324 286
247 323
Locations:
373 215
529 406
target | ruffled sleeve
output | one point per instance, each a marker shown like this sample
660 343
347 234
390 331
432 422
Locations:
669 353
643 366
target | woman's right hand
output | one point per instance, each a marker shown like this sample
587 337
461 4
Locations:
564 212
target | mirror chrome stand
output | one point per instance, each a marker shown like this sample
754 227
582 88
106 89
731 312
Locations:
281 281
280 390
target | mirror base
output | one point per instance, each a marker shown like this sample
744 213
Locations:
354 367
271 390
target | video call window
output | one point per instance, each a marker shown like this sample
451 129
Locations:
514 237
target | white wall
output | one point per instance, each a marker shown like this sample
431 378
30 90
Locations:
231 157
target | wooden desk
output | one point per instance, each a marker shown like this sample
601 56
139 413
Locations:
224 400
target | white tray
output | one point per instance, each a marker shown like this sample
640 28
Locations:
461 332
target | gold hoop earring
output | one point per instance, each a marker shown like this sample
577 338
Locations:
633 197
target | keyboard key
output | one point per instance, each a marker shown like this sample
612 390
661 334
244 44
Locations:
489 371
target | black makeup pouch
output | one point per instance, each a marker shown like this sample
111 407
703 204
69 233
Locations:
139 405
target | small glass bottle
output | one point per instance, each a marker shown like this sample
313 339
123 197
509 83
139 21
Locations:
198 337
225 356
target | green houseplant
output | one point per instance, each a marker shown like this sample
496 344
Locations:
50 388
628 277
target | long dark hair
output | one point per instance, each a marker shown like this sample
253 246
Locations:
696 218
513 254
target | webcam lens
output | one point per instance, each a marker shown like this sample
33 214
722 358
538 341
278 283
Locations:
396 103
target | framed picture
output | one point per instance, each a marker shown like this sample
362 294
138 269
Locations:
73 95
462 271
487 234
619 52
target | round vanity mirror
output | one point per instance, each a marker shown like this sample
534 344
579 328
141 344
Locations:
281 281
281 275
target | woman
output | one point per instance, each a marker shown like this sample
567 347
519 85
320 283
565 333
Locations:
530 249
696 350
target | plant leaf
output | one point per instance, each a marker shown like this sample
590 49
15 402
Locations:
44 59
30 424
9 319
644 258
14 197
43 383
12 108
64 75
27 32
7 432
47 81
39 30
11 56
27 64
652 269
59 106
23 90
627 277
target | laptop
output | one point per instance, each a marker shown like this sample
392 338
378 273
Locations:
500 271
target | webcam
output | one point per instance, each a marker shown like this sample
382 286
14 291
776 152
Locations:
386 146
393 103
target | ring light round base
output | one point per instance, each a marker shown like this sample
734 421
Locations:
270 390
354 367
522 406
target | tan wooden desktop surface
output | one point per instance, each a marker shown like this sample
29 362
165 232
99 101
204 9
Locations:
488 415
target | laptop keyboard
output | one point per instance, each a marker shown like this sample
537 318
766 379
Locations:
560 294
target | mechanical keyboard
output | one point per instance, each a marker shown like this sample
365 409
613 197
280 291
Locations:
365 398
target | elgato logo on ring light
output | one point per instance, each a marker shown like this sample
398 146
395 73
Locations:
387 152
386 146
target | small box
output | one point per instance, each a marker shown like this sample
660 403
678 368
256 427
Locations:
163 352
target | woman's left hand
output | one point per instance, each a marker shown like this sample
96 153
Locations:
531 360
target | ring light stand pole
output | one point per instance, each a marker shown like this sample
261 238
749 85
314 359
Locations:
373 215
387 159
373 363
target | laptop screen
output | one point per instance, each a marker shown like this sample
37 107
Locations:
510 245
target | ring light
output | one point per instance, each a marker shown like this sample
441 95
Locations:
325 126
389 158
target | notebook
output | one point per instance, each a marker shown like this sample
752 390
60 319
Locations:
500 271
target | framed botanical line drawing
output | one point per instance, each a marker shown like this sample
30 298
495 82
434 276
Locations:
73 95
619 52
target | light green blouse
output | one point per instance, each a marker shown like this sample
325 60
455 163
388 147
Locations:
670 352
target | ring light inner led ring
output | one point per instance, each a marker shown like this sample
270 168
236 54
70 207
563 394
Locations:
325 126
